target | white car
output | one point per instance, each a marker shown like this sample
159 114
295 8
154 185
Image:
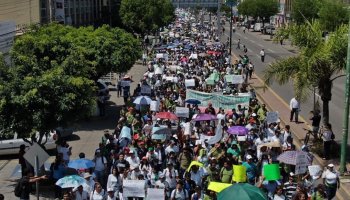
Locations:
10 145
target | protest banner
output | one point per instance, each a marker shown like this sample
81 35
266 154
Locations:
218 100
154 106
217 137
239 174
241 138
182 112
194 163
302 163
272 172
190 83
272 117
146 90
315 170
134 188
194 56
217 186
155 194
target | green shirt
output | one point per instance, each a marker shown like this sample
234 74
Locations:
226 175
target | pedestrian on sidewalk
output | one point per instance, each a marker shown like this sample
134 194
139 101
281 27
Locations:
294 106
262 55
327 137
316 120
331 180
245 49
244 29
238 44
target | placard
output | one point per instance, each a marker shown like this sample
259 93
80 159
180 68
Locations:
190 83
315 170
237 79
182 112
155 194
154 106
146 89
239 174
36 150
134 188
217 186
272 172
301 163
272 117
241 138
194 56
158 70
159 55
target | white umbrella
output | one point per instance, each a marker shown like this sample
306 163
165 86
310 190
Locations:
142 100
71 181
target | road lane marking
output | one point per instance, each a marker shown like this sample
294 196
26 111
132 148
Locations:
252 41
245 38
271 50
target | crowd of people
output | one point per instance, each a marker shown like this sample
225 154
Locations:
187 159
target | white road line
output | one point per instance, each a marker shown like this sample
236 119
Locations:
250 50
252 41
239 34
271 50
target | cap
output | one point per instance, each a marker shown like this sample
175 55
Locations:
158 119
87 175
110 190
230 120
150 149
254 114
249 157
330 165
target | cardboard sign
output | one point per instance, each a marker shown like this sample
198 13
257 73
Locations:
159 55
182 112
134 188
161 137
240 174
217 186
272 172
302 163
36 150
190 83
155 194
272 117
146 89
154 106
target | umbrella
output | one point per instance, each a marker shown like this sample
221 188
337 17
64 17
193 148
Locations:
70 181
290 157
142 100
238 130
166 115
193 101
81 164
242 191
204 117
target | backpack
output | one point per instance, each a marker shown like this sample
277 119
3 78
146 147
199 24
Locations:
18 189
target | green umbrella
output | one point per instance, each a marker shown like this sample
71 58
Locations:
242 191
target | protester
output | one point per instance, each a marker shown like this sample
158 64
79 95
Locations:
331 181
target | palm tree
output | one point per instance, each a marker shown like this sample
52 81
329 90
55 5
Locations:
318 64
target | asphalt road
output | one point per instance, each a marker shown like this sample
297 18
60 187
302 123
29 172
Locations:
254 41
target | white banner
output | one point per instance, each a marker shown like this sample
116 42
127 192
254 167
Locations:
134 188
158 70
154 106
182 112
159 55
272 117
155 194
190 83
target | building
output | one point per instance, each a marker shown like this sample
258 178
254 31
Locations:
70 12
195 3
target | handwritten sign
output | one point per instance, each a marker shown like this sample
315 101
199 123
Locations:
217 186
301 163
134 188
194 163
155 194
182 112
190 83
237 79
159 55
194 56
314 170
154 106
272 172
158 70
146 89
272 117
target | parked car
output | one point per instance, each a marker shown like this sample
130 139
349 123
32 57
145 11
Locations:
269 29
103 88
9 145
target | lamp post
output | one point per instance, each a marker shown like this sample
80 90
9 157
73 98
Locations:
344 143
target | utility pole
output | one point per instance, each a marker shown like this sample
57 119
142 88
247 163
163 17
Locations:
231 27
219 18
344 143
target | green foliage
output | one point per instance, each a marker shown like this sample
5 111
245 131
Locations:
332 14
281 34
258 8
305 10
143 16
318 62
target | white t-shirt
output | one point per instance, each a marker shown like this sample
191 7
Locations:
172 180
83 196
98 196
331 177
179 195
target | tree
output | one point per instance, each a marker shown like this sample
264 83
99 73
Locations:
318 64
332 14
305 10
263 9
143 16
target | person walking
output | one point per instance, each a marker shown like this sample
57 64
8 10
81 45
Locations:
262 55
327 137
21 159
331 180
245 50
238 44
294 106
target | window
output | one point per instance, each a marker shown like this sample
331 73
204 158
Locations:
59 5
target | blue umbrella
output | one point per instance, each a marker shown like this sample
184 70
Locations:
81 164
193 101
142 100
71 181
